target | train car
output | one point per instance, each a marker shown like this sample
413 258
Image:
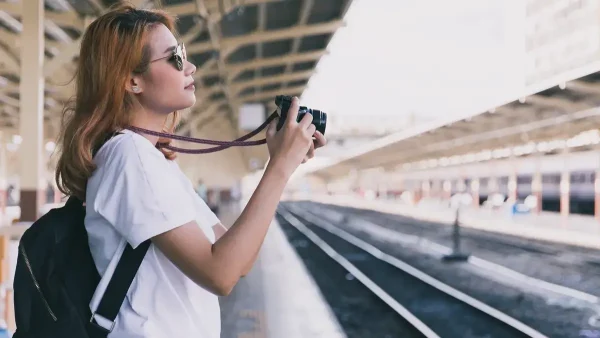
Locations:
581 196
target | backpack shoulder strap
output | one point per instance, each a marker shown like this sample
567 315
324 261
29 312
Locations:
117 288
103 319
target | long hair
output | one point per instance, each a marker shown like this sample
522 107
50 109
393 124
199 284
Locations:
113 47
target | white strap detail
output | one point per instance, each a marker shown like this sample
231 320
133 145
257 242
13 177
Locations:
110 270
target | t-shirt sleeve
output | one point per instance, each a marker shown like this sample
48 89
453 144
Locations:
206 214
137 193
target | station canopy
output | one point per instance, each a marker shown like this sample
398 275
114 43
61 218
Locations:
246 51
560 108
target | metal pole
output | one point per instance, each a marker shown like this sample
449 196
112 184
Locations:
456 233
457 255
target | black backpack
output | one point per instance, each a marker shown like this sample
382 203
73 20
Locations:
56 277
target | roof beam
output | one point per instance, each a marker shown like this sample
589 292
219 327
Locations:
262 24
11 8
193 122
9 100
8 87
10 61
556 102
98 5
68 53
307 6
214 33
202 98
236 69
72 19
238 87
181 9
58 33
307 30
8 37
216 42
193 32
584 87
297 90
66 19
229 45
508 136
215 9
206 69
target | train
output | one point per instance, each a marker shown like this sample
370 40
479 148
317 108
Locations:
582 167
581 195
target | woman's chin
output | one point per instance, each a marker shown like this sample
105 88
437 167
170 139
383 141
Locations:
186 103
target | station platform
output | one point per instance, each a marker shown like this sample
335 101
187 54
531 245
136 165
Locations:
278 298
578 230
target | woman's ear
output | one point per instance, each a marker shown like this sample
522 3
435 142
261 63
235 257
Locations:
134 85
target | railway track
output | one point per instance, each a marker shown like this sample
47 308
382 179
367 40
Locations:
433 308
500 254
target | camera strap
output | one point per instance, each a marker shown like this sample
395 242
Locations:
220 145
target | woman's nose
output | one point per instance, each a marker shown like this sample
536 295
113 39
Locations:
190 68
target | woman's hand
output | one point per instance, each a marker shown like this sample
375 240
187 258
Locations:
317 143
293 144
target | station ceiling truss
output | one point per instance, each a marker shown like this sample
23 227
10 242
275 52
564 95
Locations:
246 51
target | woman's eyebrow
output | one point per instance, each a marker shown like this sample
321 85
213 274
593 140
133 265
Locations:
170 49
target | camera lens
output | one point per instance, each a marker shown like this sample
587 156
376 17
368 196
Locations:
319 118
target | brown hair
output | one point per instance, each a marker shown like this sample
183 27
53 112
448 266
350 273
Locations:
112 48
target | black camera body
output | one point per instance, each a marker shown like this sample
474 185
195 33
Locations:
284 102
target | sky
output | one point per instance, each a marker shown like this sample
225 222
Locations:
427 57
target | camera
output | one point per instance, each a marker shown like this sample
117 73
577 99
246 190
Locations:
284 102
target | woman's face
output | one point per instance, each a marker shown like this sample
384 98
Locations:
165 88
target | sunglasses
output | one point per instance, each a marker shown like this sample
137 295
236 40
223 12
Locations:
176 58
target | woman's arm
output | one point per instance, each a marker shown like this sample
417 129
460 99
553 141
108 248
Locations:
219 266
219 229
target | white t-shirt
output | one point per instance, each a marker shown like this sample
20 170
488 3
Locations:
135 194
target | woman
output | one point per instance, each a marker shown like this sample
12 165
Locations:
132 72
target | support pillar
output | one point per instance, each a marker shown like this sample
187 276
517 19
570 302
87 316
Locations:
475 192
512 183
536 184
426 189
536 191
3 178
436 188
565 186
32 107
597 188
597 195
565 191
447 190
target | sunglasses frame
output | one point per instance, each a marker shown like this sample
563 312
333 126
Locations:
177 57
